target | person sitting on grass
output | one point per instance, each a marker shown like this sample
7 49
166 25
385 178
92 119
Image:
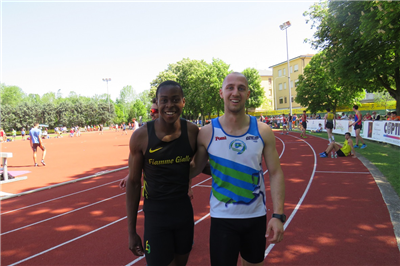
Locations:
319 129
346 150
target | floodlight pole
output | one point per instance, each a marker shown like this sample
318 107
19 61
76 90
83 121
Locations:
108 96
284 26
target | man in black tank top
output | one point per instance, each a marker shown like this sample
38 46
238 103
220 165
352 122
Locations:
163 149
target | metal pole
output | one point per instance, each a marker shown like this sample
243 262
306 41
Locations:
290 89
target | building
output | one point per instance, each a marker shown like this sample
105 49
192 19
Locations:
281 85
267 84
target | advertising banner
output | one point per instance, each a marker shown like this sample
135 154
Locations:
382 131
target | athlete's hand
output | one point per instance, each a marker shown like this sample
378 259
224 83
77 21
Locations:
135 245
190 193
122 183
276 226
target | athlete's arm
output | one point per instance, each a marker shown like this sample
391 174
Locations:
201 157
133 187
325 120
350 142
277 181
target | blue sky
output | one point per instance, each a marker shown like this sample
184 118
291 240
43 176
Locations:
48 46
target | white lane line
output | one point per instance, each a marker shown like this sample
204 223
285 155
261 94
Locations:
62 214
337 172
63 183
68 195
79 237
268 250
67 242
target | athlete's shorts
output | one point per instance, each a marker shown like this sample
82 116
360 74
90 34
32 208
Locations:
284 125
229 237
340 153
357 126
35 145
304 124
168 229
329 125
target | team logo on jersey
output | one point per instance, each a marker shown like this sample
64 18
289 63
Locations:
237 146
151 151
253 138
220 138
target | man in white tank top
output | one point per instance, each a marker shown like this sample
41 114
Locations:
235 144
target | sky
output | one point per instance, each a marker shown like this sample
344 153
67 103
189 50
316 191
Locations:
64 46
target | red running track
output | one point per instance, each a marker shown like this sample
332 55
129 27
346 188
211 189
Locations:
336 212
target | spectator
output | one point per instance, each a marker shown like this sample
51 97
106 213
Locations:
23 133
14 134
3 135
319 129
375 117
36 141
389 115
344 116
394 116
367 116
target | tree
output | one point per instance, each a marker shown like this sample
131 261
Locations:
317 87
362 43
256 91
11 95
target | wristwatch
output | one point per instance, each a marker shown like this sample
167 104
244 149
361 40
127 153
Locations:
281 217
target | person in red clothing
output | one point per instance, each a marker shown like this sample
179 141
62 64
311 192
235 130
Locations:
284 125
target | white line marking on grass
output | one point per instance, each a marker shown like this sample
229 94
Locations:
268 250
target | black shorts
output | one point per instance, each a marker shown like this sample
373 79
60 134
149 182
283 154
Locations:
168 229
357 126
340 153
329 125
35 145
229 237
304 124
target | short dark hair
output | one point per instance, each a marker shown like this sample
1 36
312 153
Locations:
394 112
328 109
355 107
169 83
348 133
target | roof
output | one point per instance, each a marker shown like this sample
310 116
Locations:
300 56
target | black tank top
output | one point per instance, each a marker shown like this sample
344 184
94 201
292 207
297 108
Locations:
167 165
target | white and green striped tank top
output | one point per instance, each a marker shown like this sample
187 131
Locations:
238 189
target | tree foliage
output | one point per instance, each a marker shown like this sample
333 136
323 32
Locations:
361 40
317 87
256 91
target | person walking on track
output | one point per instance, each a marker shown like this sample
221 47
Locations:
235 144
330 123
36 141
163 149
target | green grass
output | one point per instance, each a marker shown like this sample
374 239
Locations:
385 157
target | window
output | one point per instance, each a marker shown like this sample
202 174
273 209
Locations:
292 99
284 86
291 82
284 71
270 92
285 100
280 100
280 73
295 82
269 80
280 86
291 69
296 68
